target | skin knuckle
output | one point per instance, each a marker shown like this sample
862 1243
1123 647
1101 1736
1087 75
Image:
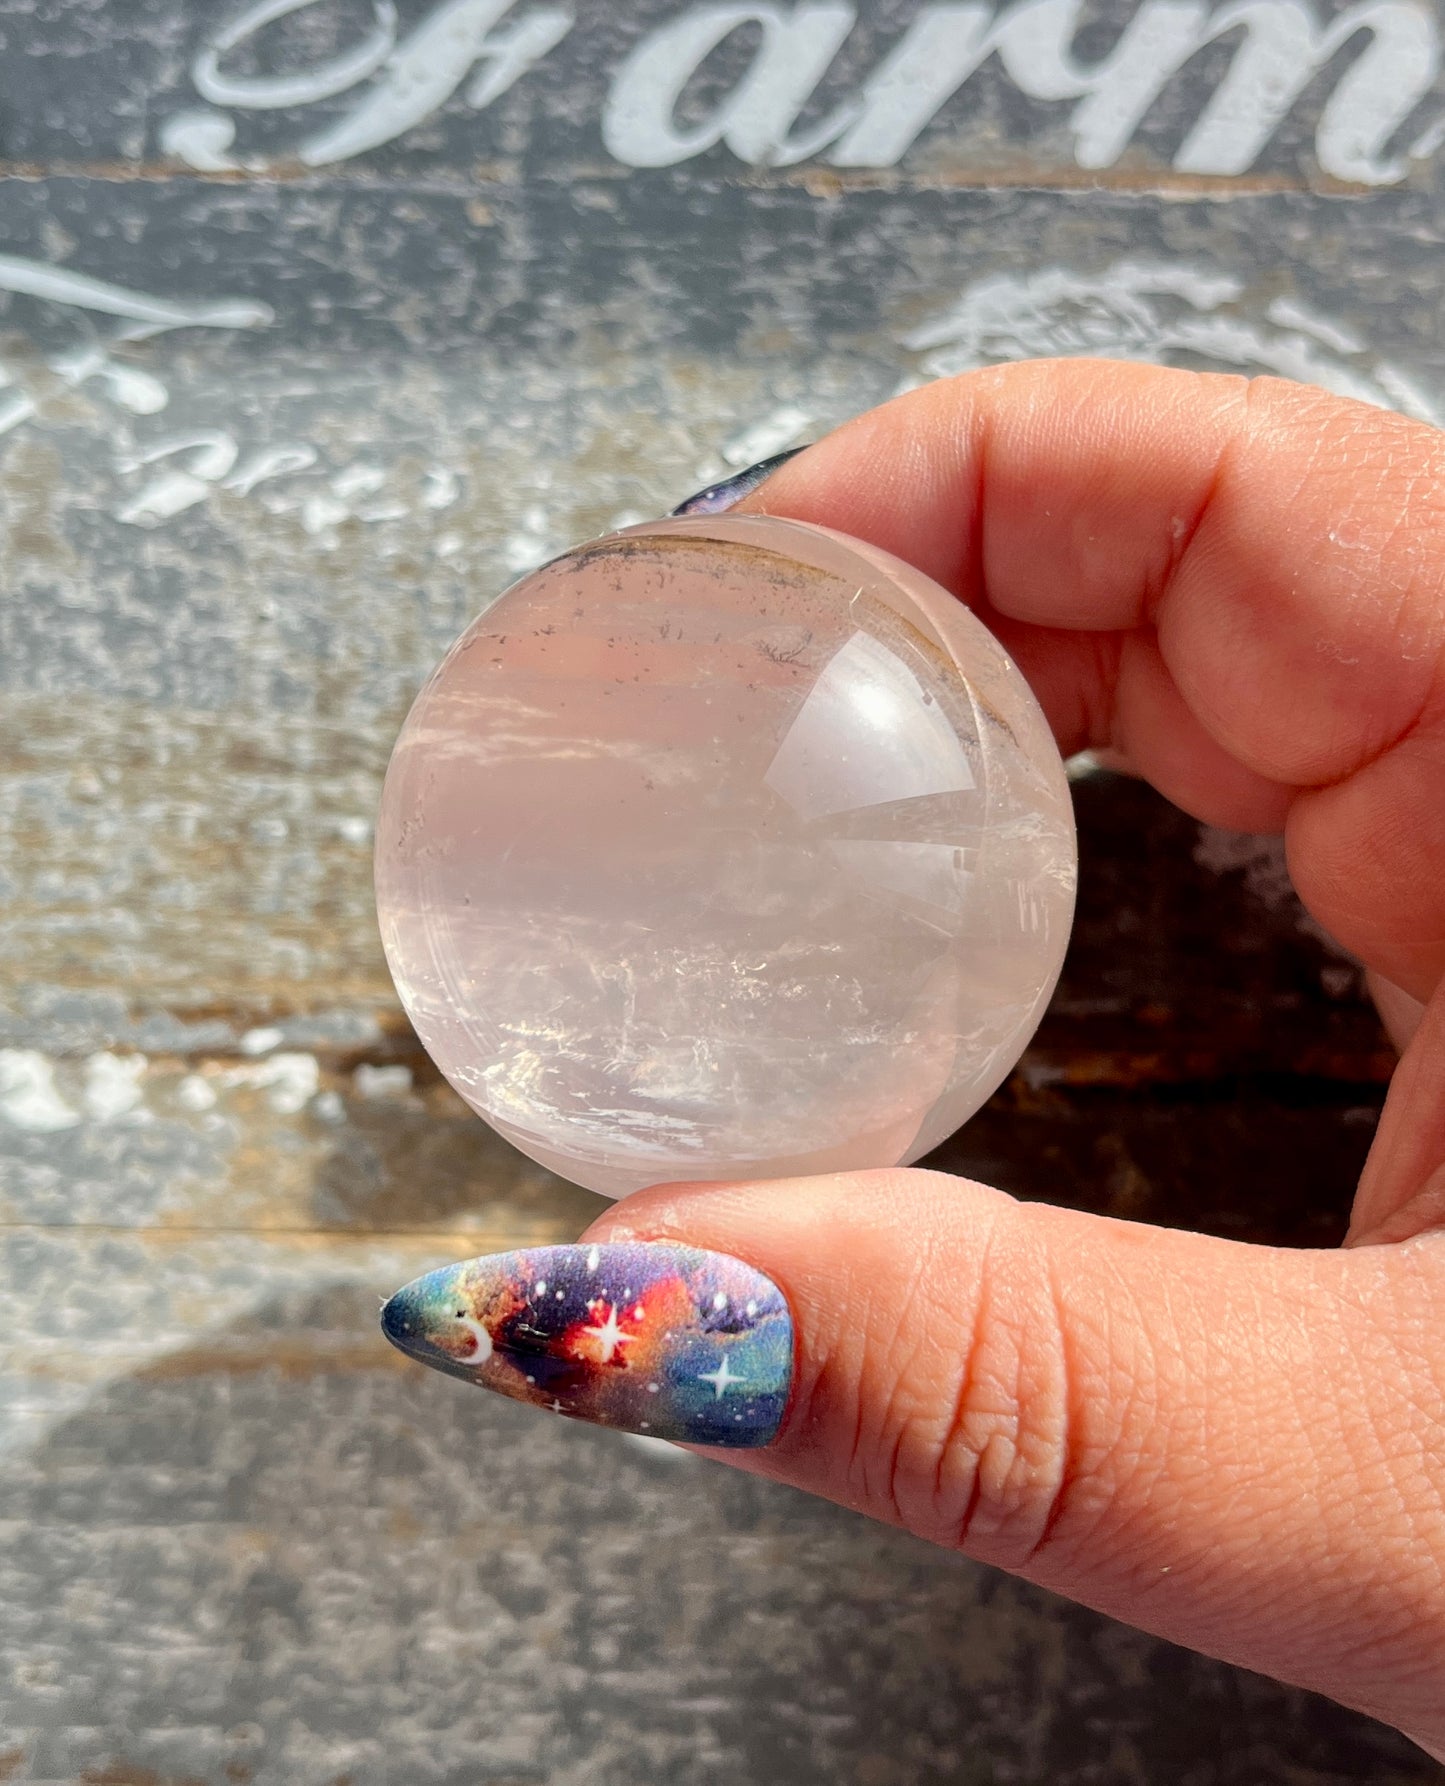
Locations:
977 1447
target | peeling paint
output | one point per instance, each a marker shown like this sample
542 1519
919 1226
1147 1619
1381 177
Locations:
28 1098
1170 312
113 1091
289 1079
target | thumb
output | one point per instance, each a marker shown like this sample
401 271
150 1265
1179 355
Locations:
1233 1447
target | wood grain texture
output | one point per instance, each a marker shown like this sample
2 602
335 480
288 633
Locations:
313 415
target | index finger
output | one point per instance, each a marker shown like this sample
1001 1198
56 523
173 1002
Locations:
1237 583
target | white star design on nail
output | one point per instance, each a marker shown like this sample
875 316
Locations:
720 1379
609 1335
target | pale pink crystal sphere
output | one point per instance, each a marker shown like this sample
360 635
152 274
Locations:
725 847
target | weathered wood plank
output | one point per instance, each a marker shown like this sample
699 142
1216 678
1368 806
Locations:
599 270
1107 92
263 1567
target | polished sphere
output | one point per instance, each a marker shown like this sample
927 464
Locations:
725 847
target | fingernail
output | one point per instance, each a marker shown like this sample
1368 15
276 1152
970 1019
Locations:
718 497
647 1337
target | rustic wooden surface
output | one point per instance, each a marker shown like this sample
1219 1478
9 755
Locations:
352 361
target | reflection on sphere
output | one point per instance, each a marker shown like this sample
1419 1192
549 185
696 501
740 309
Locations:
722 848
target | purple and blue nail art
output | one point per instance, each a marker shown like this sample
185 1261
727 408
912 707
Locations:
650 1338
717 498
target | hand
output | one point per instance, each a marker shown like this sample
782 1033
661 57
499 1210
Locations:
1238 589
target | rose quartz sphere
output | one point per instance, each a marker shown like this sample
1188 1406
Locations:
725 847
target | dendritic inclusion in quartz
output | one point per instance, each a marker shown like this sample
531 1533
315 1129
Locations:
725 847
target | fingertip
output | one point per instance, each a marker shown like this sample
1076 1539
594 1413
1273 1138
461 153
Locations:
1399 1011
891 477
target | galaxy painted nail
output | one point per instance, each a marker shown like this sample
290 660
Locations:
717 498
649 1338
